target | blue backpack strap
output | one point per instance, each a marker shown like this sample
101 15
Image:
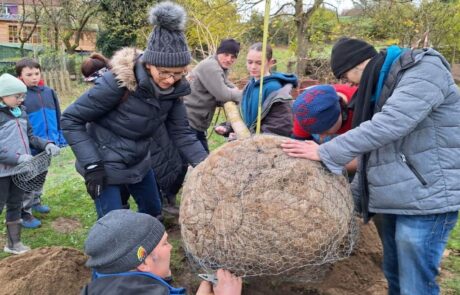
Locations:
172 290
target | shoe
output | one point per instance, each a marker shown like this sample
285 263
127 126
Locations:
31 222
160 218
13 243
43 209
170 206
170 209
18 248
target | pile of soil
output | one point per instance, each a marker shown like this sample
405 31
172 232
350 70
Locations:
65 225
359 274
43 271
59 270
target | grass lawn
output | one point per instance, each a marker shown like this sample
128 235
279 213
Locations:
65 193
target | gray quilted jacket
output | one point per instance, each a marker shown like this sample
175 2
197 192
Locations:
413 140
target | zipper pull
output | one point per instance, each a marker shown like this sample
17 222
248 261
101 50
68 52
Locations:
403 157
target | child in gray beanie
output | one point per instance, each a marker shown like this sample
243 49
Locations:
16 138
130 129
130 254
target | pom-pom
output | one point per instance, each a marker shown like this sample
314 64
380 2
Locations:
168 16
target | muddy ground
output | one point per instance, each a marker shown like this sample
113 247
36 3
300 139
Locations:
59 270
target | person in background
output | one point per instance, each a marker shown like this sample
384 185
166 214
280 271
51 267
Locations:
94 67
322 112
133 119
211 88
405 132
276 96
129 253
16 138
42 106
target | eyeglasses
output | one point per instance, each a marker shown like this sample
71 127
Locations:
21 96
163 75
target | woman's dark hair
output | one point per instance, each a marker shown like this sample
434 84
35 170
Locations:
258 47
94 63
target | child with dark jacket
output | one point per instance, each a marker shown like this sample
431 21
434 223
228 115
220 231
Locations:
42 106
15 137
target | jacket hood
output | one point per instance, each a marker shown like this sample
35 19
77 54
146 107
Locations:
129 73
430 51
281 77
123 63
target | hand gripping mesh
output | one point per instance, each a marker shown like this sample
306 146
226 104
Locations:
255 211
30 176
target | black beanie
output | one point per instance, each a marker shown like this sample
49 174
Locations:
229 46
347 53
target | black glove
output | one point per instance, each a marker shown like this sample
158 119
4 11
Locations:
95 179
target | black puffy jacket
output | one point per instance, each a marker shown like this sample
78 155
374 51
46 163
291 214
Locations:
103 125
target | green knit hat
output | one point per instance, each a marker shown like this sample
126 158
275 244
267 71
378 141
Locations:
10 85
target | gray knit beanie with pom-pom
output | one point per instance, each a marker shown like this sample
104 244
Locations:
167 45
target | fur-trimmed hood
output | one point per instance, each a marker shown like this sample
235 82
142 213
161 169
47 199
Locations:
123 63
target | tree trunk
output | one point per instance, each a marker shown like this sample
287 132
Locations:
56 38
301 42
301 21
22 49
234 117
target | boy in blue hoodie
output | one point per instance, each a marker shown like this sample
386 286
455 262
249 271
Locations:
42 107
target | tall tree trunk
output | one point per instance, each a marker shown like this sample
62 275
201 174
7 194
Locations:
56 38
301 21
301 42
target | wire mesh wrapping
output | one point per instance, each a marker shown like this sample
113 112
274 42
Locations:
30 176
253 210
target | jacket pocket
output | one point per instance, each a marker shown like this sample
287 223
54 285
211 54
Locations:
412 168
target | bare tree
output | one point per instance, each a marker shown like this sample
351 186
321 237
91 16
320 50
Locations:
77 15
54 13
302 14
28 22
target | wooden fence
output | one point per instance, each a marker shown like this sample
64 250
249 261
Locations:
58 80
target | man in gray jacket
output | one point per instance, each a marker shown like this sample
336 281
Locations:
211 88
406 135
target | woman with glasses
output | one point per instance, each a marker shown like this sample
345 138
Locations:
133 119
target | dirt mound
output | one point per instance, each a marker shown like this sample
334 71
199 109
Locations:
43 271
65 225
359 274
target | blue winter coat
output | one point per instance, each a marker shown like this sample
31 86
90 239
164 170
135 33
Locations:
42 106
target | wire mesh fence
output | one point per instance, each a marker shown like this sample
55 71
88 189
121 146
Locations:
253 210
30 176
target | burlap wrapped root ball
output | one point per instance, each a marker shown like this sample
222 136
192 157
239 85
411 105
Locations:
254 210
